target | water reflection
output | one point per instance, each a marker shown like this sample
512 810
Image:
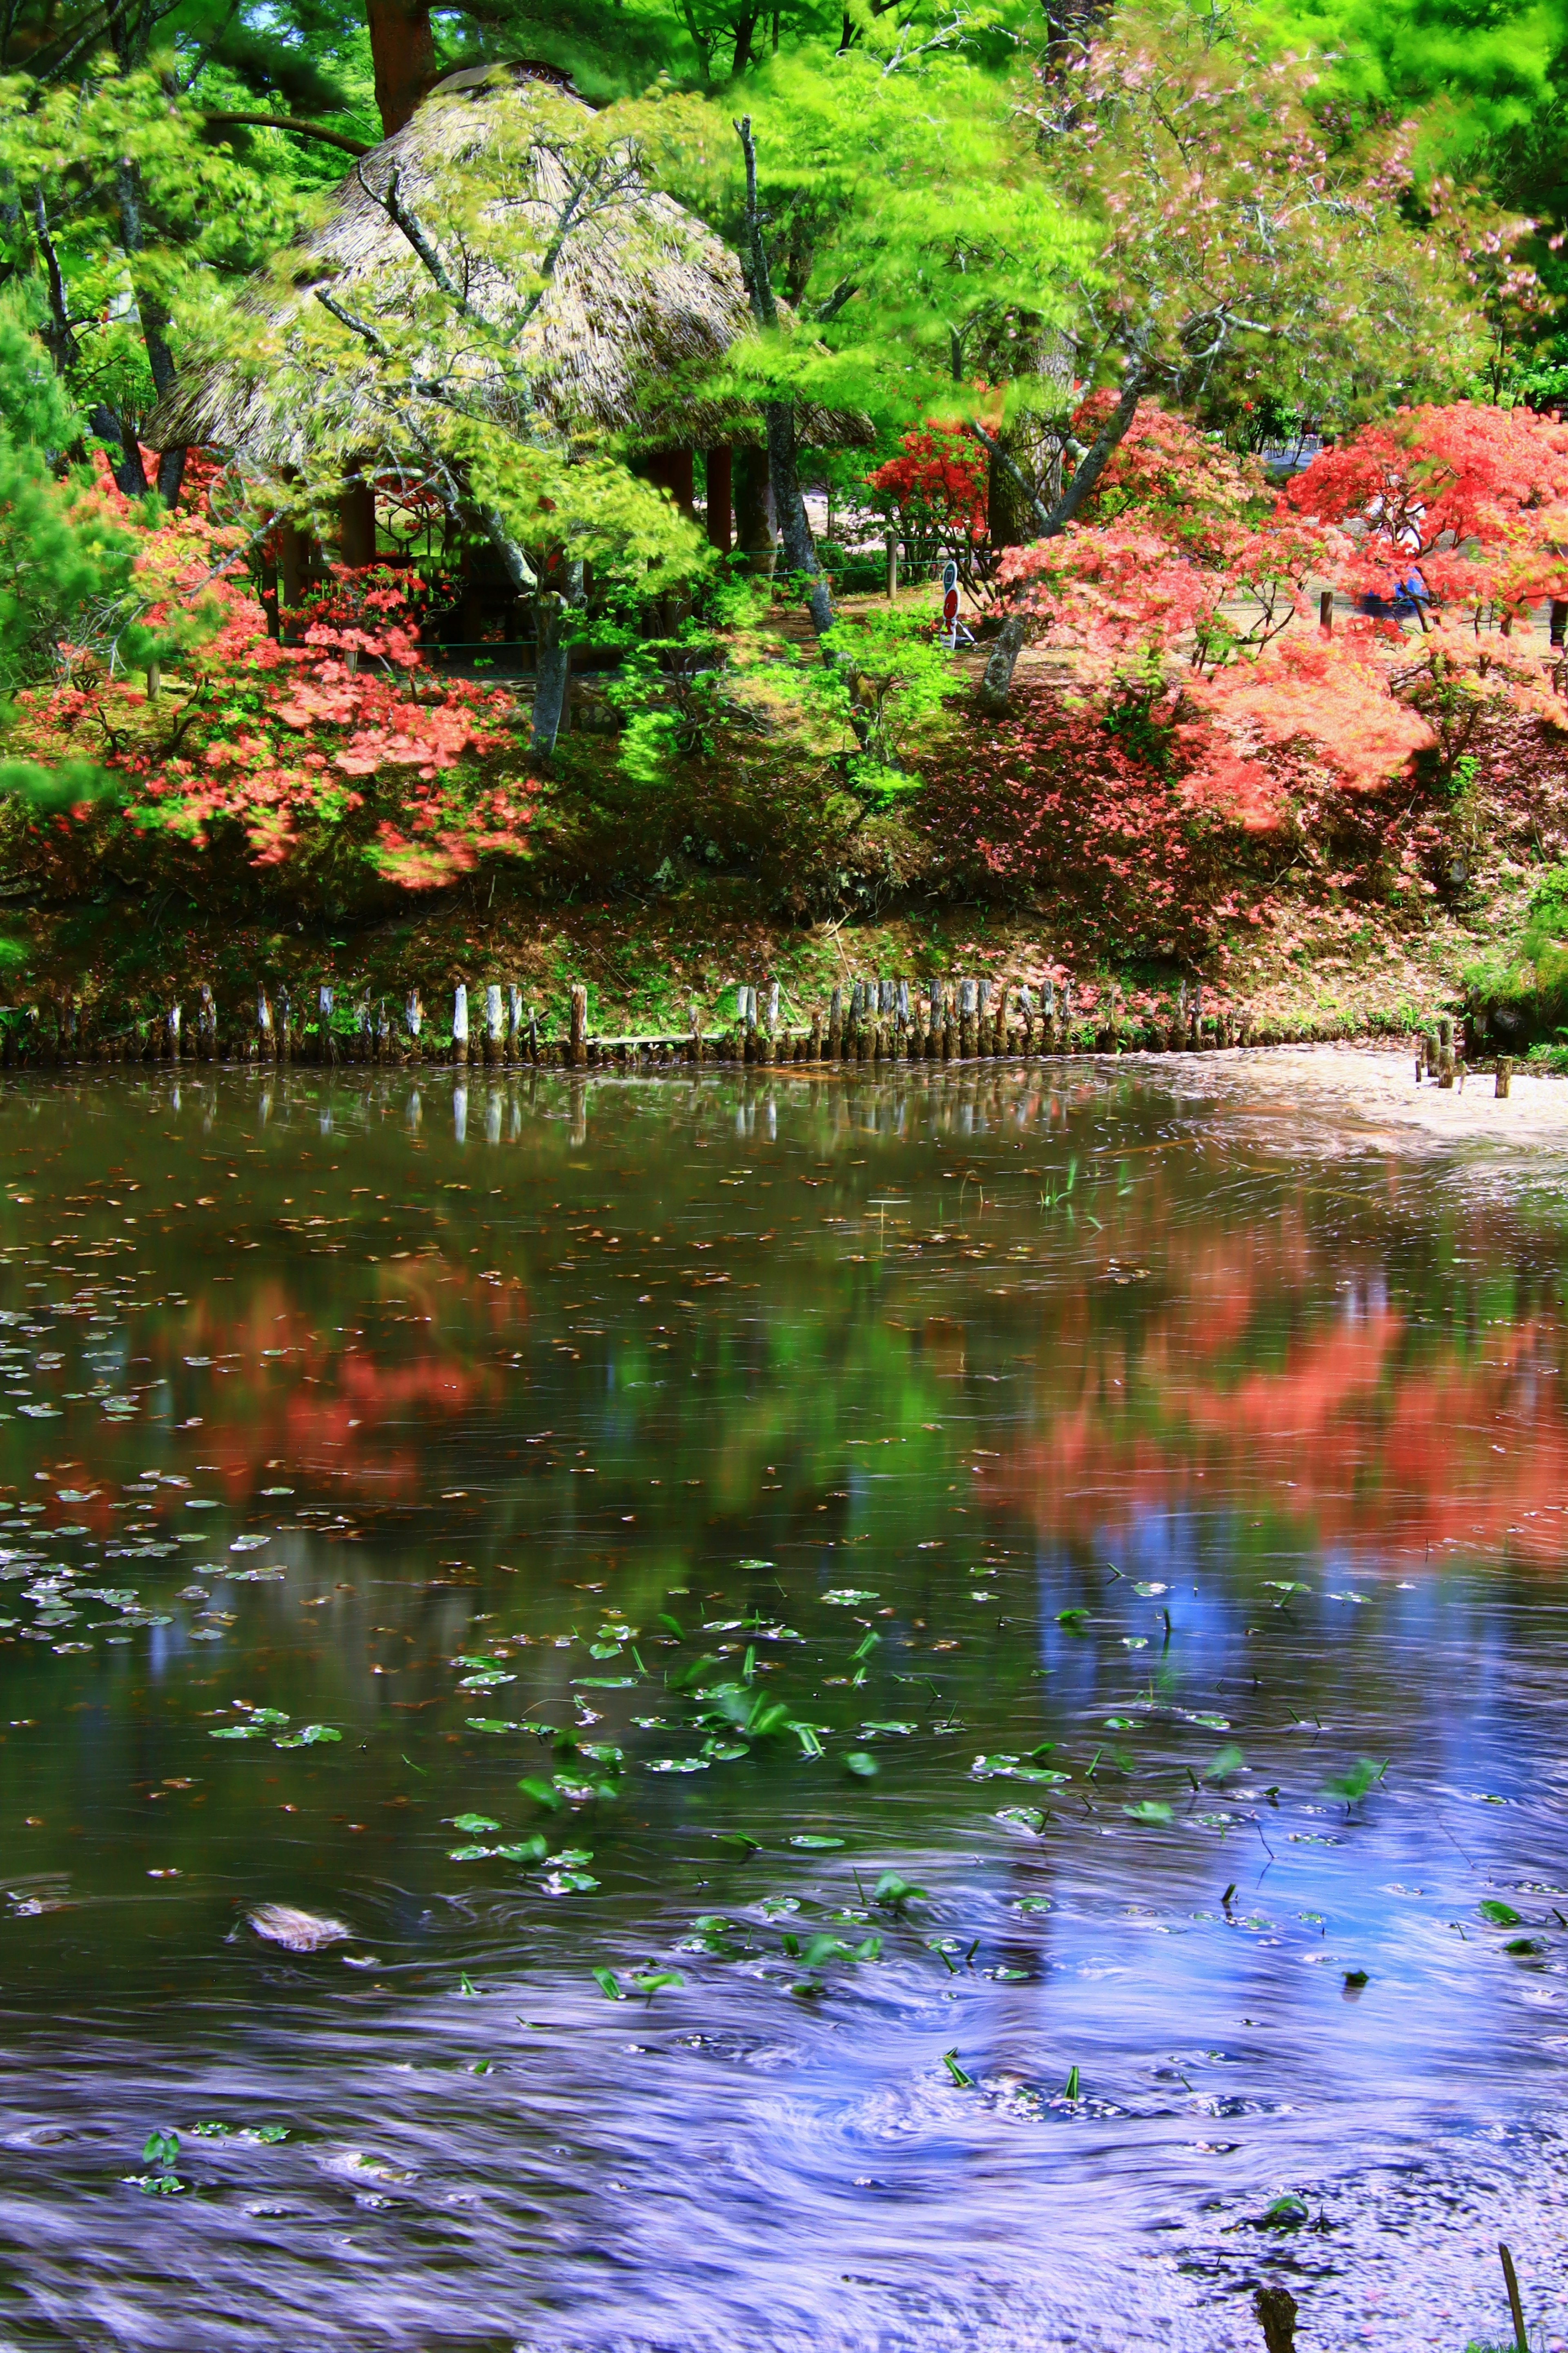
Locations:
586 1524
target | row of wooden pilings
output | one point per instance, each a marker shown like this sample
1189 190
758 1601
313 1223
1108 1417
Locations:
865 1022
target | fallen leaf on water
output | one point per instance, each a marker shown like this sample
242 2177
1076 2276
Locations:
296 1931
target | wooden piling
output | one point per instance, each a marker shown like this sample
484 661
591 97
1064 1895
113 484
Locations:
266 1040
326 1042
1446 1060
285 1026
835 1025
413 1021
1504 1074
578 1043
514 1037
460 1022
495 1026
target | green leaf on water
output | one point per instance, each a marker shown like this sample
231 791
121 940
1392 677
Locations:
1500 1914
1022 1817
813 1838
1228 1760
608 1984
475 1823
310 1736
491 1724
543 1793
1356 1780
894 1891
865 1768
950 2061
652 1981
1149 1810
162 2148
1072 1619
235 1732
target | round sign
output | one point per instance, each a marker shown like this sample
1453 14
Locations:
950 607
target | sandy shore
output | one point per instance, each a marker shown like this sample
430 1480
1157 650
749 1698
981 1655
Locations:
1372 1091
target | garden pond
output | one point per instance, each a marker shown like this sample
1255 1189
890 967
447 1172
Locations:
800 1712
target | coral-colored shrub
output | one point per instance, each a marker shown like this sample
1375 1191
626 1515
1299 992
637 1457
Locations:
343 750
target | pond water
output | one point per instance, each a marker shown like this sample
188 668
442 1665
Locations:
927 1712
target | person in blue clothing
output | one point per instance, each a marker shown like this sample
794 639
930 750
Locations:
1411 595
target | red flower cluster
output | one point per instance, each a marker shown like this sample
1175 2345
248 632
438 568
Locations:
937 485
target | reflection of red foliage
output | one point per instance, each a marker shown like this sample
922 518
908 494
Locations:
1387 1444
337 1395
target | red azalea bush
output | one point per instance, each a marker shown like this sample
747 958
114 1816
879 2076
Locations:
1041 802
341 753
1179 598
937 487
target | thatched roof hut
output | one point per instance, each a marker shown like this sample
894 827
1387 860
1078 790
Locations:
640 302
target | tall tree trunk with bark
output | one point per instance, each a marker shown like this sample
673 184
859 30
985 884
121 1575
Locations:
130 472
778 415
552 660
403 52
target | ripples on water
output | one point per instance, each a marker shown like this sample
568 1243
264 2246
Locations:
1188 1454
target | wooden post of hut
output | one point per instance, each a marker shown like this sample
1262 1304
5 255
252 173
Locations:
356 520
674 471
720 501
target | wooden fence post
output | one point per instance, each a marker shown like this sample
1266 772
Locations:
414 1020
578 1046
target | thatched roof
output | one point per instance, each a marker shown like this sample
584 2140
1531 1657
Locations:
640 304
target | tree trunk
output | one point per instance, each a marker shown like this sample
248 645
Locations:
753 529
154 319
402 53
784 468
553 668
998 679
130 475
789 507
